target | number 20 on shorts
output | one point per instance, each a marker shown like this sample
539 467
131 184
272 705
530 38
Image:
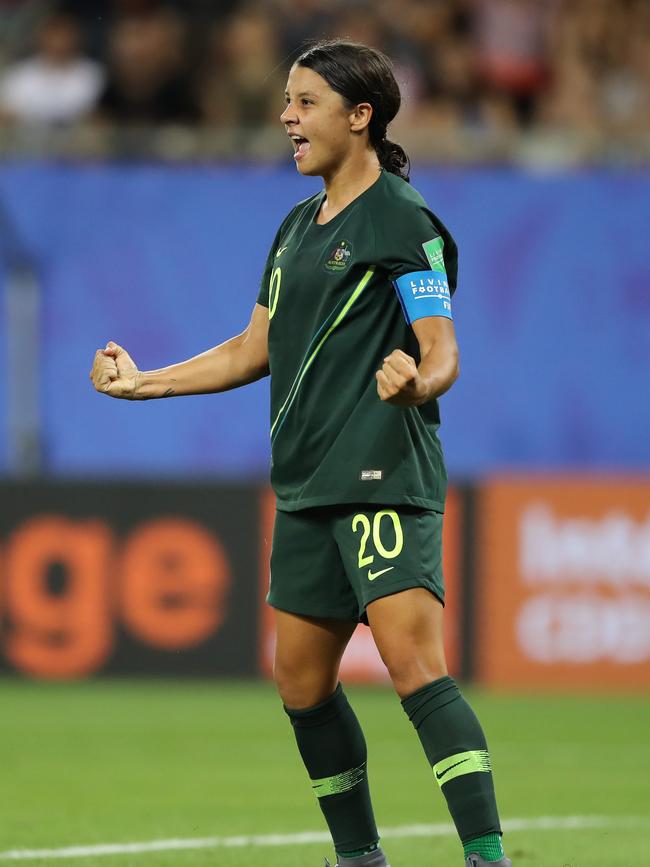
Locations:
363 521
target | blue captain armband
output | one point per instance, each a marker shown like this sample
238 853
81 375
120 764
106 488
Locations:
424 293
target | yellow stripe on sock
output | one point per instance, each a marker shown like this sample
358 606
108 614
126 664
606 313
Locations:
469 762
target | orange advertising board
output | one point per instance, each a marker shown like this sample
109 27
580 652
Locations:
100 578
361 661
563 589
71 633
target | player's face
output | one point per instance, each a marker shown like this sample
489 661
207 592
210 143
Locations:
317 120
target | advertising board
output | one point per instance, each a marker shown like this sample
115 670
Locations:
563 592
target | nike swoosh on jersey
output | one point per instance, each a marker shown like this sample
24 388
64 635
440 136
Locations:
440 776
281 251
372 575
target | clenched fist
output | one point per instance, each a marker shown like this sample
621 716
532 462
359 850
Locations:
114 372
399 382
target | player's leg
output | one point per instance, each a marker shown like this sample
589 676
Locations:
328 734
393 557
307 578
407 628
307 657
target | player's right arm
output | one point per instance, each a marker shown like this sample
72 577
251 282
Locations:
238 361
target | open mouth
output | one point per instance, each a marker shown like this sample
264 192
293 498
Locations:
300 146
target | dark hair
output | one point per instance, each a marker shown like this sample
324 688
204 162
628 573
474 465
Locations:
362 74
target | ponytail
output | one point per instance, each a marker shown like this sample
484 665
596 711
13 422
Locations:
393 158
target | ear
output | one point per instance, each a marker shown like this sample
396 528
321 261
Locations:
360 117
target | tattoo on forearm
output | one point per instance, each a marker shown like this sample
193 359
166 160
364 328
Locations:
169 393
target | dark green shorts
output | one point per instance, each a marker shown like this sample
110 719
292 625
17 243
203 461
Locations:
332 561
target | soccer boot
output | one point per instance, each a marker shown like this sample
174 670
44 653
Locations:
380 861
475 860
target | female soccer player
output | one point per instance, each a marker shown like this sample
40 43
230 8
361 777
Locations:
353 322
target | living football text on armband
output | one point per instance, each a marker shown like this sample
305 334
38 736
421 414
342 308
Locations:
424 293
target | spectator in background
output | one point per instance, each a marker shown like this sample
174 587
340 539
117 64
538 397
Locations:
407 31
18 24
416 31
601 74
243 81
512 54
148 82
57 85
571 103
298 21
358 22
466 68
625 88
434 65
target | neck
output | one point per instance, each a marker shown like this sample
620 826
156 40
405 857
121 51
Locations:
348 181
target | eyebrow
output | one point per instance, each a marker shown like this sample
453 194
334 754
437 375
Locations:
303 93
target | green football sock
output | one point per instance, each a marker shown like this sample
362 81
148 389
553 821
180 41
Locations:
489 847
333 749
455 746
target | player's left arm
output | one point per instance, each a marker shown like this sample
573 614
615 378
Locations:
402 382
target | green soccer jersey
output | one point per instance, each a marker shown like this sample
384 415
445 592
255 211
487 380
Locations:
334 315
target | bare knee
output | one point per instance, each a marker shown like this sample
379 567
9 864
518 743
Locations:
411 667
303 686
407 628
307 657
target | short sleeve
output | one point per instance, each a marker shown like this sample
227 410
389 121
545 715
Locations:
414 239
421 259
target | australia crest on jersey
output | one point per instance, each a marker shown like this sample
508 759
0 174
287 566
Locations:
339 257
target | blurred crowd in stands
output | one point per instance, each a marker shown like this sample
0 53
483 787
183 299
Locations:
579 66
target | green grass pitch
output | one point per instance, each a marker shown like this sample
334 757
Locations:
122 762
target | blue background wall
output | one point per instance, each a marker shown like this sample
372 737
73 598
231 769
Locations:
552 312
